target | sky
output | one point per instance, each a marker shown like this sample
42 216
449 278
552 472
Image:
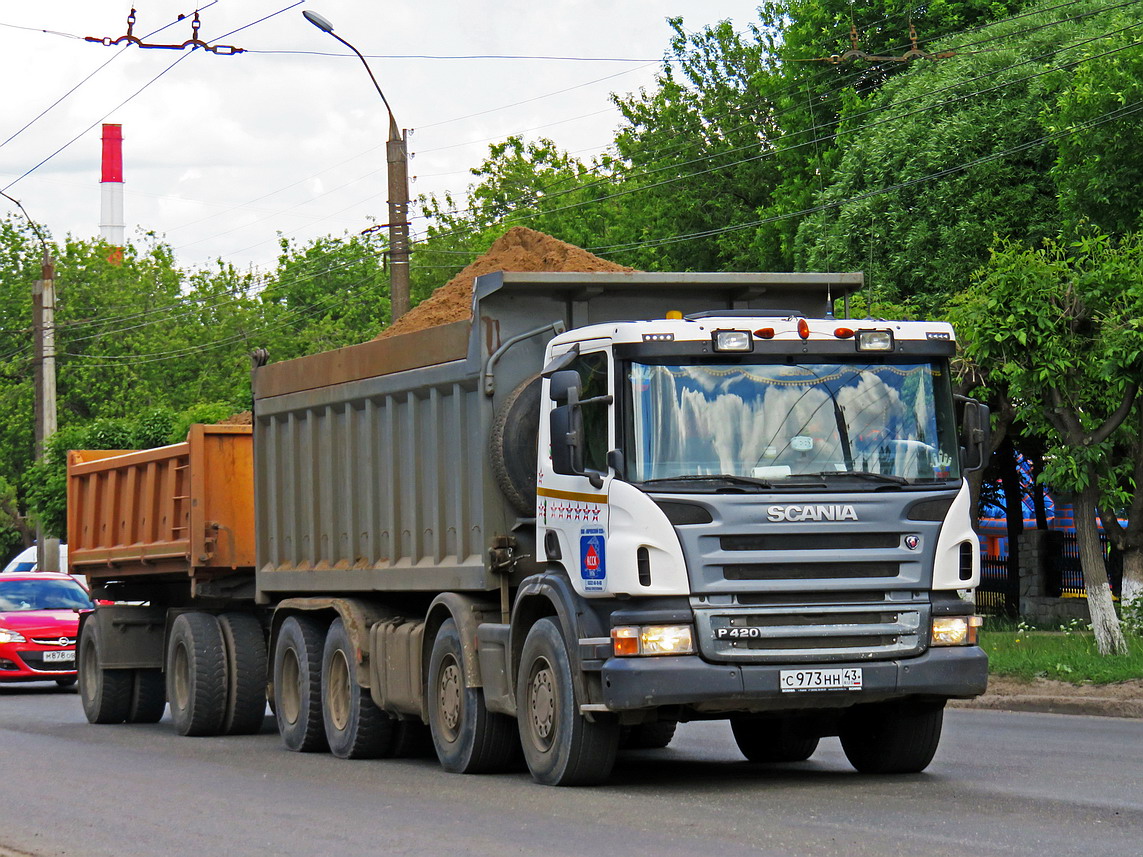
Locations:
224 152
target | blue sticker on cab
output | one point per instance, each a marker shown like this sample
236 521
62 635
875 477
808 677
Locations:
592 559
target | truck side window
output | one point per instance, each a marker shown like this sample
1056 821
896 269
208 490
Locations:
592 370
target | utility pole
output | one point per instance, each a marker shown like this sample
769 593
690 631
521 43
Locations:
396 153
44 343
397 157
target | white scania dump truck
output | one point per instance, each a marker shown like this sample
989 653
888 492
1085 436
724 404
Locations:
610 503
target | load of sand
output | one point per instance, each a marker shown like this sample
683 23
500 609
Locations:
518 249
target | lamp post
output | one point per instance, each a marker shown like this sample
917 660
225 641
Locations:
396 154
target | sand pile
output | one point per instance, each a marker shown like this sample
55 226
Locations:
518 249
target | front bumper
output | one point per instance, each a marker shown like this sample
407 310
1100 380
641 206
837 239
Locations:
19 662
959 672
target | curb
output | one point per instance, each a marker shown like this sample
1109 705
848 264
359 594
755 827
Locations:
1097 706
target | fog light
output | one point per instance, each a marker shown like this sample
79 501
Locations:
631 640
955 630
733 340
874 340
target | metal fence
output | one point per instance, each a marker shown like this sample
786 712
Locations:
1064 574
999 589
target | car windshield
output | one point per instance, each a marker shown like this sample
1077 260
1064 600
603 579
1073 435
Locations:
16 595
781 423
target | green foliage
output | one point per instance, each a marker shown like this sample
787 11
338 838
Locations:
1069 656
208 413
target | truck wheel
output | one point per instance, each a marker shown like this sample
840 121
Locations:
148 696
512 445
413 740
892 738
469 739
354 726
196 674
648 736
244 642
561 746
766 741
106 694
297 684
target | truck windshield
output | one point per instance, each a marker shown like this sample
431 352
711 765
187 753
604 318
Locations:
774 424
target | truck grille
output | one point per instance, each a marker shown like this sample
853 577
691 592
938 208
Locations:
792 633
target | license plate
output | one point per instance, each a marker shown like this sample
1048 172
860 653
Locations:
794 680
57 657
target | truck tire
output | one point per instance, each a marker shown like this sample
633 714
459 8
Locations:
561 746
354 726
892 738
196 674
297 684
768 742
469 739
413 740
106 694
512 445
244 642
648 736
148 696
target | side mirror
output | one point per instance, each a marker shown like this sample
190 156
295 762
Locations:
975 435
563 385
567 431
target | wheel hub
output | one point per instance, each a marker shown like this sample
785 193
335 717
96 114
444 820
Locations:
449 690
337 695
542 705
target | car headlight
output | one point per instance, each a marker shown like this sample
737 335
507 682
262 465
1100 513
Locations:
9 636
630 640
955 630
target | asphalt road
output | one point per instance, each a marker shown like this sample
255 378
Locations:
1002 784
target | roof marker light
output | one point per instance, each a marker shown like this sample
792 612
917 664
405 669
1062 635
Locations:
803 328
674 315
843 333
764 333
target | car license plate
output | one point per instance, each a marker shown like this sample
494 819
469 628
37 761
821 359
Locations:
793 680
57 657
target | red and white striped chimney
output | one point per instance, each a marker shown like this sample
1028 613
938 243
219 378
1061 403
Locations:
111 225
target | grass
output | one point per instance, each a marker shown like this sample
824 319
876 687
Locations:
1067 654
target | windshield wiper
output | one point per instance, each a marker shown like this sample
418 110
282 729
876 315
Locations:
859 474
726 478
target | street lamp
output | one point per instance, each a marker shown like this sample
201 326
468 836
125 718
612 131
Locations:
396 154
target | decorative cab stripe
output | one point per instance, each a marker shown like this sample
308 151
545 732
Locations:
571 495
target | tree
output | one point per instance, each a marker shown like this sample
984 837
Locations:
1061 327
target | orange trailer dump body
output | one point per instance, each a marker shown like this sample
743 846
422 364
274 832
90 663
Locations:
185 509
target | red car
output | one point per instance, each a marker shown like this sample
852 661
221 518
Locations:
39 617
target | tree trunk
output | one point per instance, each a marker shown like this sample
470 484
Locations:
1108 634
1132 574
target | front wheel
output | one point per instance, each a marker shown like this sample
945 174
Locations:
354 726
892 738
561 746
469 739
767 742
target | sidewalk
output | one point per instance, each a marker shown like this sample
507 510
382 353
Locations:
1124 699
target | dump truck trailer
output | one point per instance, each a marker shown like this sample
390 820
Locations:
608 503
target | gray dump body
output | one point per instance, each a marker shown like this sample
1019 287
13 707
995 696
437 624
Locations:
371 463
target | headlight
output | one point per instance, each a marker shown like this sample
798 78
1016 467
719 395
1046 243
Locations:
733 340
9 636
955 630
631 640
874 340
